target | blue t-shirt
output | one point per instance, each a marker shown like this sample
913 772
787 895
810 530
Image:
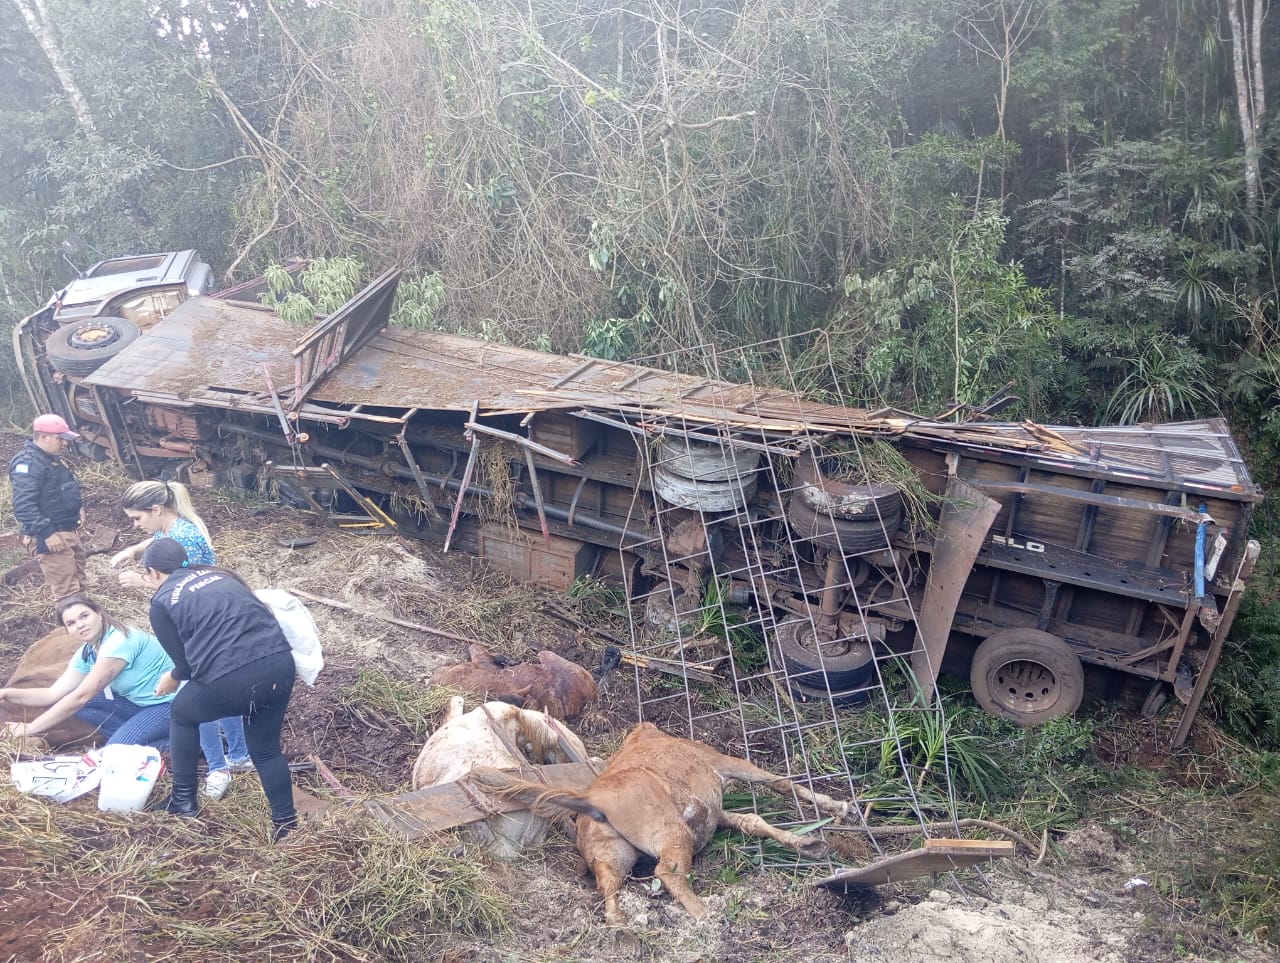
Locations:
144 662
185 533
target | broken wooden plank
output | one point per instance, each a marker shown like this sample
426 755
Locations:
437 808
936 856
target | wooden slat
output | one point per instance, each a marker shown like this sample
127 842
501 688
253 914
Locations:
454 804
936 856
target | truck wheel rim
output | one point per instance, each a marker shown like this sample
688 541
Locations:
94 336
1023 685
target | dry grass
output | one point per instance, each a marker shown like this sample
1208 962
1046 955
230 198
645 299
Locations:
495 473
416 706
214 888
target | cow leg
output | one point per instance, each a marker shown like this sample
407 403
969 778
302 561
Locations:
456 706
675 863
610 859
730 768
753 825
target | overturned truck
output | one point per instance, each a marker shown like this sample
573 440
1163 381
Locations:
1041 560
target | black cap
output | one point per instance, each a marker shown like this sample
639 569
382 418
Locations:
165 555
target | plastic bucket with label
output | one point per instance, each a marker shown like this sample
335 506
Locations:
129 774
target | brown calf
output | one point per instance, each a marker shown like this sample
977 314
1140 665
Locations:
555 685
663 796
41 665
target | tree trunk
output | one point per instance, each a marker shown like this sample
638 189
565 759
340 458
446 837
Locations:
36 16
1246 64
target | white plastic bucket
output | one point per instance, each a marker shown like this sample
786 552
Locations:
129 773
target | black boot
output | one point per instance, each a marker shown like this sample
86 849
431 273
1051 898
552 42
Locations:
280 828
183 801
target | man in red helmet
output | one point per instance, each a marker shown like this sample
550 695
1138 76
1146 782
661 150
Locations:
47 502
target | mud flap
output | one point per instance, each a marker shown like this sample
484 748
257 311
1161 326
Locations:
966 518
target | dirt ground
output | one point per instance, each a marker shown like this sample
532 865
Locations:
1072 908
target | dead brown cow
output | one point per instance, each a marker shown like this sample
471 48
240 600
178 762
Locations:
662 796
41 665
554 685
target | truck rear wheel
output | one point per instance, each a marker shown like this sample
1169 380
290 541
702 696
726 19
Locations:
832 665
1027 676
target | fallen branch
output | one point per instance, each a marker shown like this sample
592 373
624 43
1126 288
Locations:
327 775
403 623
669 667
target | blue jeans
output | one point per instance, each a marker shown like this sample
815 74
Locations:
125 722
211 734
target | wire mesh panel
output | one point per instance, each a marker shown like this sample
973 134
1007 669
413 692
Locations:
763 588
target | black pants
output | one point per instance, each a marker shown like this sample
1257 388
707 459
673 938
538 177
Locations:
258 691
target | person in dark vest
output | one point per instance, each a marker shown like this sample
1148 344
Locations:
47 503
231 652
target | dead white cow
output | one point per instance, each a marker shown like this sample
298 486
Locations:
480 738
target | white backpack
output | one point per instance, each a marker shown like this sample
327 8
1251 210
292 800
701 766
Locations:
299 628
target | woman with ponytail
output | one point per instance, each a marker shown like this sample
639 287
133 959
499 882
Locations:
164 510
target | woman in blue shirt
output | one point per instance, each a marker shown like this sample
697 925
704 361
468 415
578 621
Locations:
110 681
165 510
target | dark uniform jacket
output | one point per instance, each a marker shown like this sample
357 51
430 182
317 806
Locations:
211 624
46 495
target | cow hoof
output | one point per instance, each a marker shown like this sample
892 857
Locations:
625 942
813 848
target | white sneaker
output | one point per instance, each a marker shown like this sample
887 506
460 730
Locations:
217 783
240 765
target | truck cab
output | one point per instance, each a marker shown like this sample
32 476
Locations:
95 316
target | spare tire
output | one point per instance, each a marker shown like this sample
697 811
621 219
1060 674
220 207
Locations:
844 535
706 461
705 476
81 349
841 499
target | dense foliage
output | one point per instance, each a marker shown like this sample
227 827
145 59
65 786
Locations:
1080 198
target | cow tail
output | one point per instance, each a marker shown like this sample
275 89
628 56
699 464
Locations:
553 799
546 802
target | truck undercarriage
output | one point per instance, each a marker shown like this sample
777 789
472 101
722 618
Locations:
834 537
